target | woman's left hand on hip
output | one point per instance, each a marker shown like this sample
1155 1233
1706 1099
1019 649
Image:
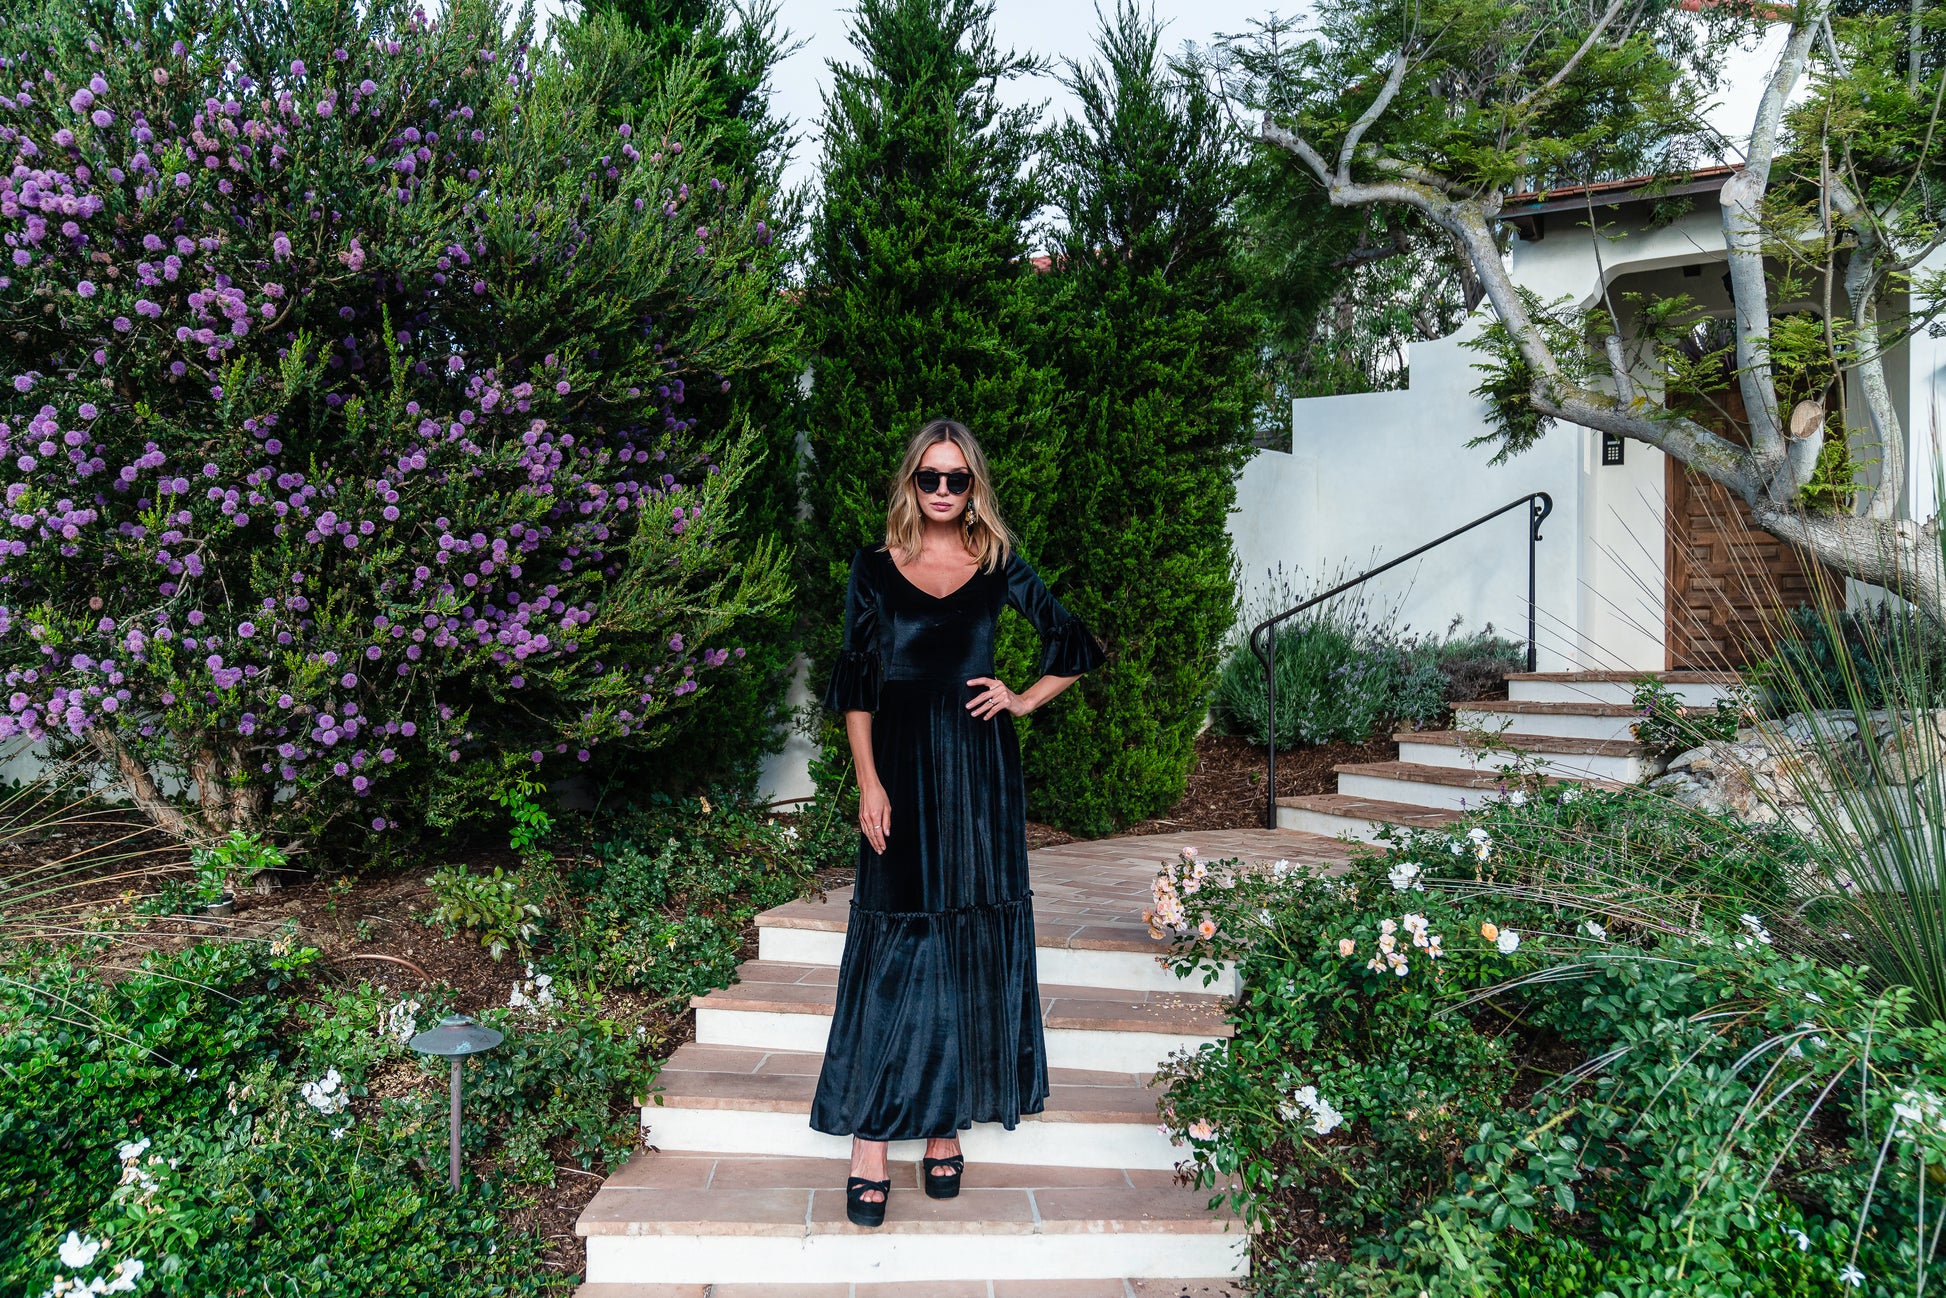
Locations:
996 698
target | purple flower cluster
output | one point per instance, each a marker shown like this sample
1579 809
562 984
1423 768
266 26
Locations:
270 525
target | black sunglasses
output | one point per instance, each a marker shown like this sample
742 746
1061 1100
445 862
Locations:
958 481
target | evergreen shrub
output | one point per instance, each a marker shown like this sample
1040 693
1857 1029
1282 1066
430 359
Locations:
1146 324
347 453
1344 671
917 300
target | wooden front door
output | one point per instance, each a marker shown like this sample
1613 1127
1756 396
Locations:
1729 584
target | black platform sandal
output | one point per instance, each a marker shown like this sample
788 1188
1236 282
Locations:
861 1211
943 1187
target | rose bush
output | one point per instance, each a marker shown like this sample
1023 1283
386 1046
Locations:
1581 1043
343 433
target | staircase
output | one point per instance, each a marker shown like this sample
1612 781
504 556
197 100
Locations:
1079 1201
1577 725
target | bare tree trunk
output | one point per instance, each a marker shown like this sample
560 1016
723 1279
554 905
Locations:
141 788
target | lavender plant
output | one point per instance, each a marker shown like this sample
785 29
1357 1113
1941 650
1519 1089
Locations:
343 365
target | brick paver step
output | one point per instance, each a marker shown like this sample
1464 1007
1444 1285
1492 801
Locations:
1624 677
1531 707
1527 743
1450 775
752 1100
1115 1288
774 987
755 1080
1350 816
1088 900
743 1219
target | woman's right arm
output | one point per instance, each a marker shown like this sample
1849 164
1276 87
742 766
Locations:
874 807
853 691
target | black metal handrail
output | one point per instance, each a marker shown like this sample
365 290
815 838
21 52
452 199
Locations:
1539 506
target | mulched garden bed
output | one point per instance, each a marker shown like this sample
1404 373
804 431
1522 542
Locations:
1226 786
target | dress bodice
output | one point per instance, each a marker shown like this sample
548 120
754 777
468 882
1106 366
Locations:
894 631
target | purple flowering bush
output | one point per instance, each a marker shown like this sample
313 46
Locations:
343 424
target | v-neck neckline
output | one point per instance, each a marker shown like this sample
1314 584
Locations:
894 564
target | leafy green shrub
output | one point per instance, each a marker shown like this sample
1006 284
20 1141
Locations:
1344 671
85 1065
1889 656
531 823
499 905
1563 1048
1668 725
232 862
663 904
566 1078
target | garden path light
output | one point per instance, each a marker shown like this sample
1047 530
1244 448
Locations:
456 1037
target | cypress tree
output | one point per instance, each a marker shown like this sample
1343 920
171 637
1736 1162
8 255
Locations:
1156 349
723 52
917 301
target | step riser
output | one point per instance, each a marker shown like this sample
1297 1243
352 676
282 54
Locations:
883 1256
1448 797
1121 1052
1055 966
1547 724
1323 822
1580 766
1604 692
1033 1143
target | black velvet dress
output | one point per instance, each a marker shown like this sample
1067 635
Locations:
938 1023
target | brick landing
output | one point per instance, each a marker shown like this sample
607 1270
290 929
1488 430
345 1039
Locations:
1090 895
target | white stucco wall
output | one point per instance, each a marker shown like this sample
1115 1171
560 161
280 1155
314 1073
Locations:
1373 475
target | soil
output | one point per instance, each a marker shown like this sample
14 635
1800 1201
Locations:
1226 786
368 926
372 925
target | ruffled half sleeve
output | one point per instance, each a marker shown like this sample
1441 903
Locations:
856 675
1068 648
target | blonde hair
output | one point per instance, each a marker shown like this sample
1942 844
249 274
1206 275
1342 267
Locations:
905 520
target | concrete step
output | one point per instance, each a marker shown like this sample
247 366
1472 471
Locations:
1343 816
787 1006
1071 950
1440 787
1119 1287
1694 688
1621 760
727 1219
1566 720
749 1100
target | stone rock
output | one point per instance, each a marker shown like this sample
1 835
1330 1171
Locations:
1910 754
1768 772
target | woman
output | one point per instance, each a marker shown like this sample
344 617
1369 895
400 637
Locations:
938 1021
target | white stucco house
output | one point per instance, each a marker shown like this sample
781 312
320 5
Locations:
1619 581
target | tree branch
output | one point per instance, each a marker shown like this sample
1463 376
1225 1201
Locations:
1386 94
1742 200
1864 275
1618 367
1568 68
1292 142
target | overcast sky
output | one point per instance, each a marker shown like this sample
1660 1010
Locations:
1065 29
1056 29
